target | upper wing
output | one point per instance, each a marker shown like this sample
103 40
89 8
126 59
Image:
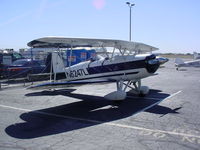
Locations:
63 42
51 85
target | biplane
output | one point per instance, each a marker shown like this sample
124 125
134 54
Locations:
126 69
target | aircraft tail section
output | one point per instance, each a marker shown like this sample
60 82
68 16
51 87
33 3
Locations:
179 61
58 64
196 55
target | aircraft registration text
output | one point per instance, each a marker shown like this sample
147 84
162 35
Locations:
76 73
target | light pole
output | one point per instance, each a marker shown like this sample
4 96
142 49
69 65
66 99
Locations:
130 5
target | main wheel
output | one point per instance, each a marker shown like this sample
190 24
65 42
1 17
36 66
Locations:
144 90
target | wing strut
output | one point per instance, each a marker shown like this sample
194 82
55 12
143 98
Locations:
70 57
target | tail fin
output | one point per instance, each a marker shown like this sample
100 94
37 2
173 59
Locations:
58 65
196 55
179 61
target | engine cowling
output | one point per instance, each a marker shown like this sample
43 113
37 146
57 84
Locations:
152 64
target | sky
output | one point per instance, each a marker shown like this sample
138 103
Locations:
173 26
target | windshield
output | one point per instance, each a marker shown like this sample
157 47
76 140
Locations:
17 56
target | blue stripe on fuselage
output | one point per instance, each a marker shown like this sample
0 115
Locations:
117 67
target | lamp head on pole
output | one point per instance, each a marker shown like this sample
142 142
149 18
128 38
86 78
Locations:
130 4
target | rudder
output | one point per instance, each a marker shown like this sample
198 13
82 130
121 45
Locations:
57 61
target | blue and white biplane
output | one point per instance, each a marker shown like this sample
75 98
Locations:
126 69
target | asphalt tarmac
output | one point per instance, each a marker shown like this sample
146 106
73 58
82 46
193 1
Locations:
80 118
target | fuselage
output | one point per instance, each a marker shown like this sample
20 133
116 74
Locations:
118 68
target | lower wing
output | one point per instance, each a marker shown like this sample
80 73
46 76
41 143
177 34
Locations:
52 85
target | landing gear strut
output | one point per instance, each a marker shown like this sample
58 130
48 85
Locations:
120 94
138 89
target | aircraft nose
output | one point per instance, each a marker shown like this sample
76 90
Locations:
162 60
152 64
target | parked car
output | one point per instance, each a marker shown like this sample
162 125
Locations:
2 70
14 56
23 67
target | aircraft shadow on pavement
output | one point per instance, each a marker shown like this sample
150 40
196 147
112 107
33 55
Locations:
38 123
